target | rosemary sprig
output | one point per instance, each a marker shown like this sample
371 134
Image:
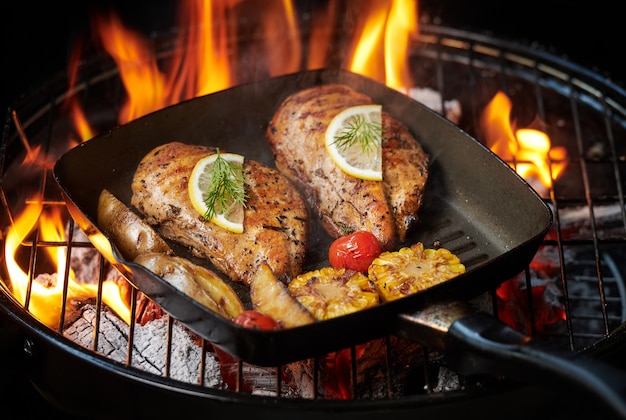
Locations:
360 131
226 187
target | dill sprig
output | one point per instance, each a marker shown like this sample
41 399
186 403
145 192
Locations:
360 131
226 187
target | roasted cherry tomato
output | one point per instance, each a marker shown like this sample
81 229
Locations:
253 319
249 319
355 251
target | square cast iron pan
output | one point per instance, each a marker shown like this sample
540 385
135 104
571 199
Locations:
474 205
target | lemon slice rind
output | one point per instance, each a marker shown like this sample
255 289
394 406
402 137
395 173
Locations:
199 179
353 160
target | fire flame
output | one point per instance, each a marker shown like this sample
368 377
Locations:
44 299
530 153
202 63
527 150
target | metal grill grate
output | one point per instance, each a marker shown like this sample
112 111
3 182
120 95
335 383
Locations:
580 110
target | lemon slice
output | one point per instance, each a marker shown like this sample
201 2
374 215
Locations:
354 141
229 216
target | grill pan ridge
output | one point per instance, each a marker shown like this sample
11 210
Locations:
599 93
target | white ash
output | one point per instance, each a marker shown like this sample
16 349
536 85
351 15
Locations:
451 109
150 350
447 380
149 346
603 214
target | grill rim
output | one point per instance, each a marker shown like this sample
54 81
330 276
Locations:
49 340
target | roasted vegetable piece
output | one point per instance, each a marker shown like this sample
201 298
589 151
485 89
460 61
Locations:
270 296
256 320
249 318
196 281
128 231
409 270
355 251
331 292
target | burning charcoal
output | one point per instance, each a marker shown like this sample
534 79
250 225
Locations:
149 346
147 310
576 221
451 109
546 303
256 380
335 371
447 380
85 261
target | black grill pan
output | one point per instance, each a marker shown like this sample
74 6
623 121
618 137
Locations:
474 205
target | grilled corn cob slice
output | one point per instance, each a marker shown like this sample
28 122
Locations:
331 292
409 270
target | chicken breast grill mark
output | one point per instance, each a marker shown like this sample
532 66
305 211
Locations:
341 202
276 220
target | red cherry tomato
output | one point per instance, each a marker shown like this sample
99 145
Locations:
355 251
249 319
253 319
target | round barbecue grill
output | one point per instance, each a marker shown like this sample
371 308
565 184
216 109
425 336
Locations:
582 112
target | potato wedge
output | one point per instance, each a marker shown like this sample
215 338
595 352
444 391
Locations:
270 296
129 232
196 281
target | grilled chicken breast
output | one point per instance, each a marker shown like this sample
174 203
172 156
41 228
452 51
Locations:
344 203
276 221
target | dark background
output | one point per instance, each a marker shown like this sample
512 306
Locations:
36 36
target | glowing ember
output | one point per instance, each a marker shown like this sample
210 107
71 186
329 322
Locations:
527 150
515 303
530 153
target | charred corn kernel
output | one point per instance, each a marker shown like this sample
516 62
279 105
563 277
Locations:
409 270
331 292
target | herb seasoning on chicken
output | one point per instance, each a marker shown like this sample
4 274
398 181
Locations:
276 223
344 203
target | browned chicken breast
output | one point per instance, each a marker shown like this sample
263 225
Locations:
344 203
276 222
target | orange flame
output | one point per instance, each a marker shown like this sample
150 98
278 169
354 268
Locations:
137 66
527 150
201 63
381 49
44 299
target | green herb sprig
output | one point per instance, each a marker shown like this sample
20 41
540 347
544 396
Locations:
226 187
360 131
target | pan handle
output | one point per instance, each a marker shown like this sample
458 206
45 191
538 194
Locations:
479 344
